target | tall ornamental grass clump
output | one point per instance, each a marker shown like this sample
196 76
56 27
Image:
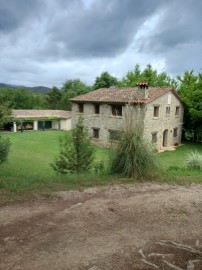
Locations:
194 160
135 157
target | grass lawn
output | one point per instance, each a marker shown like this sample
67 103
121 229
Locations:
173 164
28 166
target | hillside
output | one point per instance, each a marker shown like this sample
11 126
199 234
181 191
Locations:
37 89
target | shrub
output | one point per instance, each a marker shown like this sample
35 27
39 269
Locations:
135 157
194 160
173 168
199 134
77 153
4 149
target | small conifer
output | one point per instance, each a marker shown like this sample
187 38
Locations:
76 154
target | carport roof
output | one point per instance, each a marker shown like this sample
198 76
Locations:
20 114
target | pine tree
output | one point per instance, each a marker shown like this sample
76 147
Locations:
76 155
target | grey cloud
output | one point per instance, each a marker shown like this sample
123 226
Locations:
49 39
178 35
105 29
13 13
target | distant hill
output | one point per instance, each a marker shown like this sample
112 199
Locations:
37 89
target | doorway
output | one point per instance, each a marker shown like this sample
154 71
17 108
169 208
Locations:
165 138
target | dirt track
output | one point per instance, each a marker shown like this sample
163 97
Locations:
102 227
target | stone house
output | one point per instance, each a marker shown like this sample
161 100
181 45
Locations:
159 109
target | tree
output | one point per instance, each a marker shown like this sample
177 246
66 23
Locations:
149 75
22 98
54 98
105 80
5 114
76 155
70 89
5 109
190 90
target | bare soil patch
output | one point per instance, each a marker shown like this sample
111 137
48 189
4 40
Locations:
103 228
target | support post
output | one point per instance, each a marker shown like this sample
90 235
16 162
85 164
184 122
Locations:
14 127
35 125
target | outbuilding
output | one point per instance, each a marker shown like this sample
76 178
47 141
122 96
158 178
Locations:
40 120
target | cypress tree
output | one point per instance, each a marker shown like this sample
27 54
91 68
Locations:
76 155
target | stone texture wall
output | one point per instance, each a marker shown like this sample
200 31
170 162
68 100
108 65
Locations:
164 121
105 121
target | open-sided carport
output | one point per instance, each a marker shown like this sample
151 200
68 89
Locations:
40 120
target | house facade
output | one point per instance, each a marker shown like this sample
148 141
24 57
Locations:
159 110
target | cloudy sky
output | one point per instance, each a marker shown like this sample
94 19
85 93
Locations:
45 42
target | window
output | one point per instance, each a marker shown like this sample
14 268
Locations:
117 110
96 133
167 110
177 111
81 107
154 137
96 108
114 135
175 132
156 111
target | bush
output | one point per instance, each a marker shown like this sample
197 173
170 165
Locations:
77 153
134 156
194 160
199 134
4 149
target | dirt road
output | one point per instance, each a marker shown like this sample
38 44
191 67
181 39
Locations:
103 228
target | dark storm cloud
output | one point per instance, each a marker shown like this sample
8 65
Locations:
13 13
84 37
104 29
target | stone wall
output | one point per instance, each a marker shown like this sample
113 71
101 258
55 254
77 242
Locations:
105 121
164 121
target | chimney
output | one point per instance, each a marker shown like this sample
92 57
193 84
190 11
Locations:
143 86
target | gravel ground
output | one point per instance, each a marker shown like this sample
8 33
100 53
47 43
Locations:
103 228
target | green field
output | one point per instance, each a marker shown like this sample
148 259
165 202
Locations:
173 164
28 167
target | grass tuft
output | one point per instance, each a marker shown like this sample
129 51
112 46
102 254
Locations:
194 160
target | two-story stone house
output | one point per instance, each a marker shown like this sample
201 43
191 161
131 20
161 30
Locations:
159 109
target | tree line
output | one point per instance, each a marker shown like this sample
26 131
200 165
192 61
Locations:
188 86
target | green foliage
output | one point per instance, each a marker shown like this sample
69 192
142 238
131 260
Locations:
5 109
70 89
194 160
198 134
149 75
105 80
77 155
54 98
190 90
134 157
21 98
4 149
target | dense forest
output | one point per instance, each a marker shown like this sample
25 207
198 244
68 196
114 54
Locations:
188 86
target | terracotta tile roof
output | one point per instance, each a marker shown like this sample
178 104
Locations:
124 95
41 114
